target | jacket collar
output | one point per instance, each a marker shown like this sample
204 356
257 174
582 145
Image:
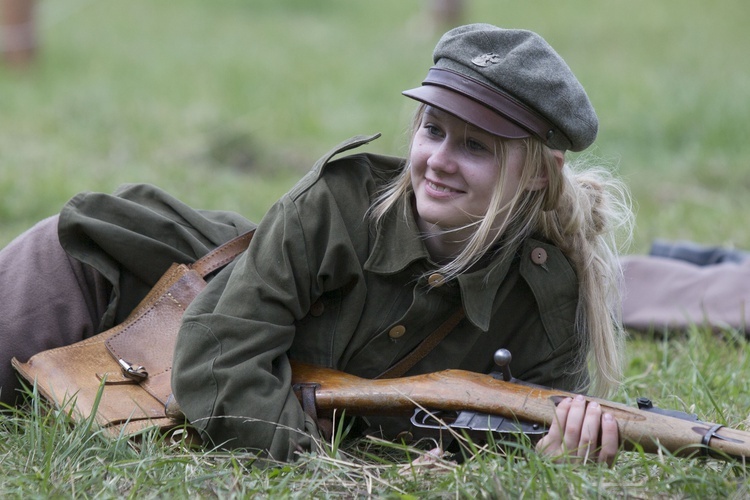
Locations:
398 245
397 242
479 290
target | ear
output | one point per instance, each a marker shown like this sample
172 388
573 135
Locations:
540 182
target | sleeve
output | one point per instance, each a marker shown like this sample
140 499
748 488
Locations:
231 375
133 236
560 370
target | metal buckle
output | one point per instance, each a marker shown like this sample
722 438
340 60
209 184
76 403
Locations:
137 373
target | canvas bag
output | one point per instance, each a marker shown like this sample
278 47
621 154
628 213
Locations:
123 376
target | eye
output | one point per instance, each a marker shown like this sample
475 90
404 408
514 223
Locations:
433 130
475 146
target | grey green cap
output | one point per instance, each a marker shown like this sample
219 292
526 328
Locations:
510 83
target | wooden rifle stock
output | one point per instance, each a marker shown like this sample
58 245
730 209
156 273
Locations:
459 390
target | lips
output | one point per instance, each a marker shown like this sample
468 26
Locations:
440 189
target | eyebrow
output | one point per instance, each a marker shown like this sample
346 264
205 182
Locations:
469 128
432 110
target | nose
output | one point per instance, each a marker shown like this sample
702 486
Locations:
443 158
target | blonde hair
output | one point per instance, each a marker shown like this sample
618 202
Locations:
582 210
591 215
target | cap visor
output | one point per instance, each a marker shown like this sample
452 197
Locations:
468 110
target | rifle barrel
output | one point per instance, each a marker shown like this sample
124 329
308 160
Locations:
459 390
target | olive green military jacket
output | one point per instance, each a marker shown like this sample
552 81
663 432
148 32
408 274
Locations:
131 237
321 283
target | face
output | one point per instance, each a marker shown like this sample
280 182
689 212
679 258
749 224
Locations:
455 171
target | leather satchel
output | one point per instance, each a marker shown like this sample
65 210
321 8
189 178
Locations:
121 377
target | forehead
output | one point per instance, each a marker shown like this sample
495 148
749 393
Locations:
447 118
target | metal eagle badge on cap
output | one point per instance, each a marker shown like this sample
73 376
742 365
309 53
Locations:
486 59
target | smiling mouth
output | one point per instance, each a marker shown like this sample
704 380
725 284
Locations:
440 188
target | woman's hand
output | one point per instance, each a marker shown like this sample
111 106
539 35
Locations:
581 433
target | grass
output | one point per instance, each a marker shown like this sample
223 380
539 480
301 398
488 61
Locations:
43 455
226 103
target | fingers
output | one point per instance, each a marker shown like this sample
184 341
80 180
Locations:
588 434
581 432
575 427
552 443
610 440
558 429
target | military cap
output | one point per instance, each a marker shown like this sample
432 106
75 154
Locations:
510 83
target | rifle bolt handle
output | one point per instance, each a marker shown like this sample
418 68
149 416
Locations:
502 359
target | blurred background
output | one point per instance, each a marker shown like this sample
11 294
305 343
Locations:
227 103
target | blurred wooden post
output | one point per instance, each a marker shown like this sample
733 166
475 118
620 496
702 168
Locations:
447 13
18 31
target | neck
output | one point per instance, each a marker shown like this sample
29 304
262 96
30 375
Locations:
441 245
445 245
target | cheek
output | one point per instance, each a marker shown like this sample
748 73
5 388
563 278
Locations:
486 179
417 150
513 180
417 160
515 167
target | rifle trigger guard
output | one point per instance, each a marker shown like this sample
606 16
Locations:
306 394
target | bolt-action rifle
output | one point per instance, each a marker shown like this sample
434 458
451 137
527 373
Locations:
487 403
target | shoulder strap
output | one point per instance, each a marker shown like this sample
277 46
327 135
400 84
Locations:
424 347
222 255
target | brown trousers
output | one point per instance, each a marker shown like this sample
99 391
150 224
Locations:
47 300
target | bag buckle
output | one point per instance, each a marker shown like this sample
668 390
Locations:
133 372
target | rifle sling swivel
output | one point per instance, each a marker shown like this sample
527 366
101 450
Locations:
306 394
707 437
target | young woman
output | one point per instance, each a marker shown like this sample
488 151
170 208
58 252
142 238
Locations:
367 255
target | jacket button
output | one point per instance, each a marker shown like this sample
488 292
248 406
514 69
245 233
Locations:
539 256
397 332
435 280
317 308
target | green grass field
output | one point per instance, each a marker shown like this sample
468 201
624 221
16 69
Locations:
226 103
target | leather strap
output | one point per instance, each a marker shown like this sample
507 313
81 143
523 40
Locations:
222 255
424 347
